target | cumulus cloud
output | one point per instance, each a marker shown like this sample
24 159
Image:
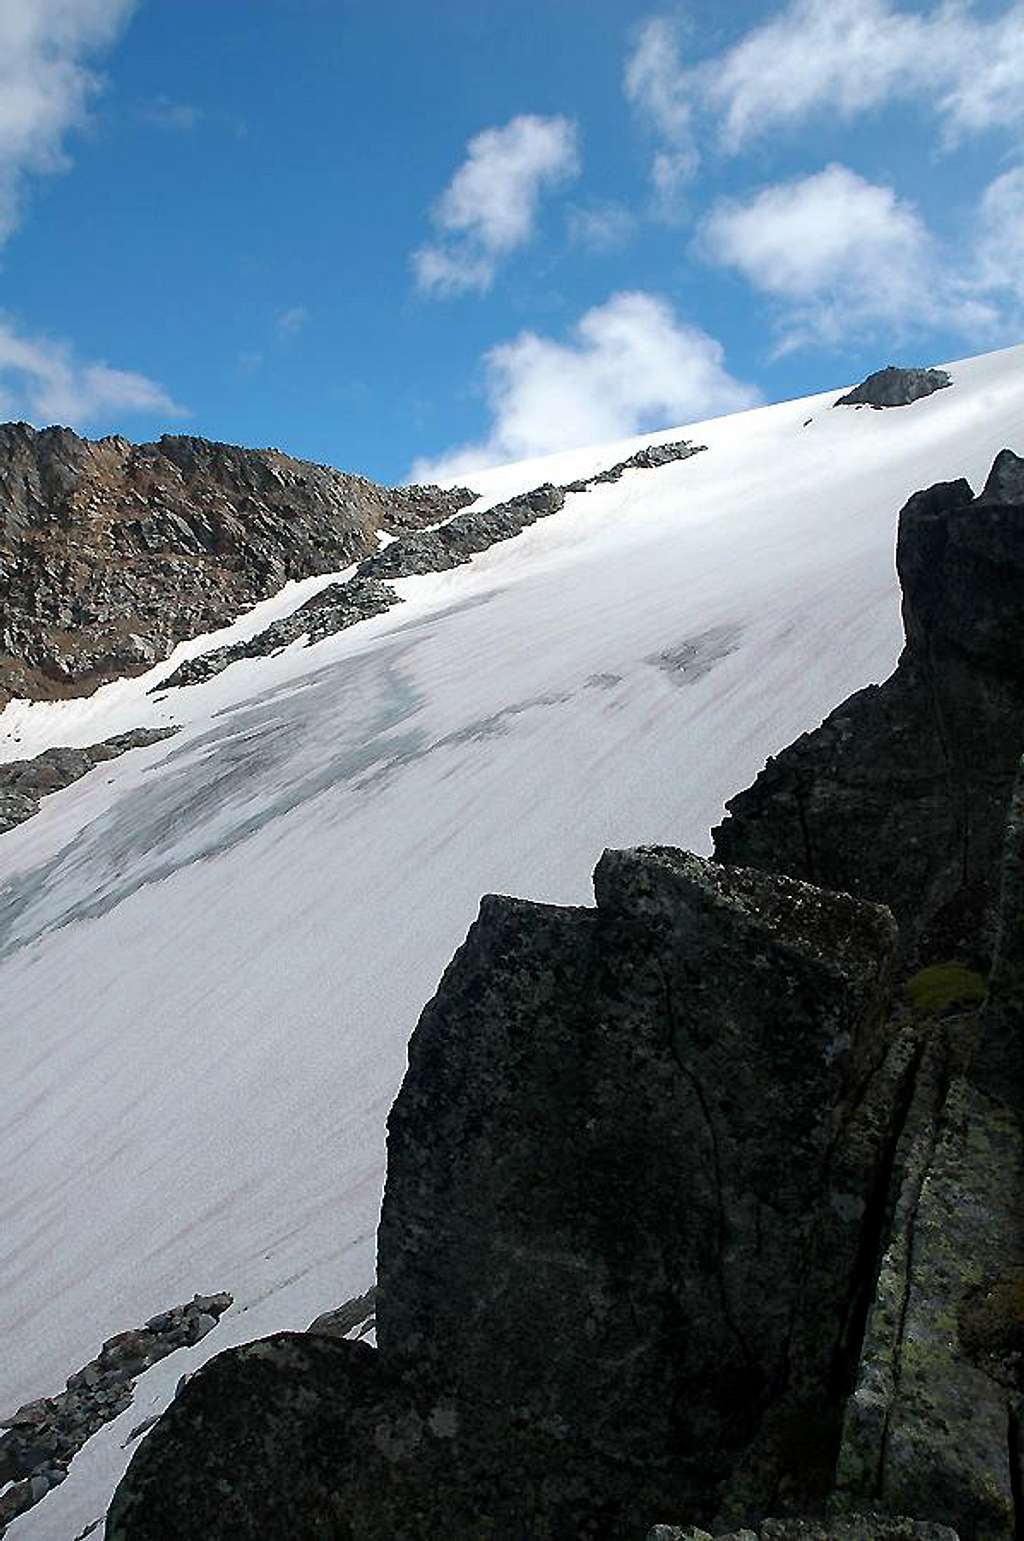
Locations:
844 55
46 84
985 91
841 58
999 227
42 382
661 90
490 205
842 257
630 364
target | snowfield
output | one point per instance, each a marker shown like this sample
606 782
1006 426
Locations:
213 950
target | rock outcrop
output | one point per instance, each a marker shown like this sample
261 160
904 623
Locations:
895 387
24 783
901 795
453 543
113 552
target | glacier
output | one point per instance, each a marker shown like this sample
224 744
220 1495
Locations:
213 950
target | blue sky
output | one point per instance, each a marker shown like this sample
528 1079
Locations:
432 233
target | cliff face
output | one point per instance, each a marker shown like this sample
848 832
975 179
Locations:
111 552
901 795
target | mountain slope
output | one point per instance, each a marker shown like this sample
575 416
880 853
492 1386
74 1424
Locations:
110 552
212 950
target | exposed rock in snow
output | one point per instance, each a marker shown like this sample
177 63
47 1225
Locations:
895 387
24 783
333 609
343 1321
438 549
43 1436
460 538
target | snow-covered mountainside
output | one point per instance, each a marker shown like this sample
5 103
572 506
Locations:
213 949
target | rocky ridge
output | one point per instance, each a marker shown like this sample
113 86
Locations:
24 783
43 1437
436 549
112 552
333 609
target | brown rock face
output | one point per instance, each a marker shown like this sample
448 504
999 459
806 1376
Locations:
111 552
901 795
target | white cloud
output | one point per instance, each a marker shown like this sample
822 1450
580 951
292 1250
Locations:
987 87
46 85
845 56
42 381
839 58
630 365
601 226
999 235
661 90
490 206
842 257
291 321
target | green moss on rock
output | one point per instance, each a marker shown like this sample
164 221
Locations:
943 987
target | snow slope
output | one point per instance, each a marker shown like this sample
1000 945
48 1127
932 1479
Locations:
212 951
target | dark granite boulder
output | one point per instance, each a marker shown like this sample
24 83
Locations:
622 1197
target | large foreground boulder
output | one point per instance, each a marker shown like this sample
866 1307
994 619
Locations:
620 1166
629 1176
